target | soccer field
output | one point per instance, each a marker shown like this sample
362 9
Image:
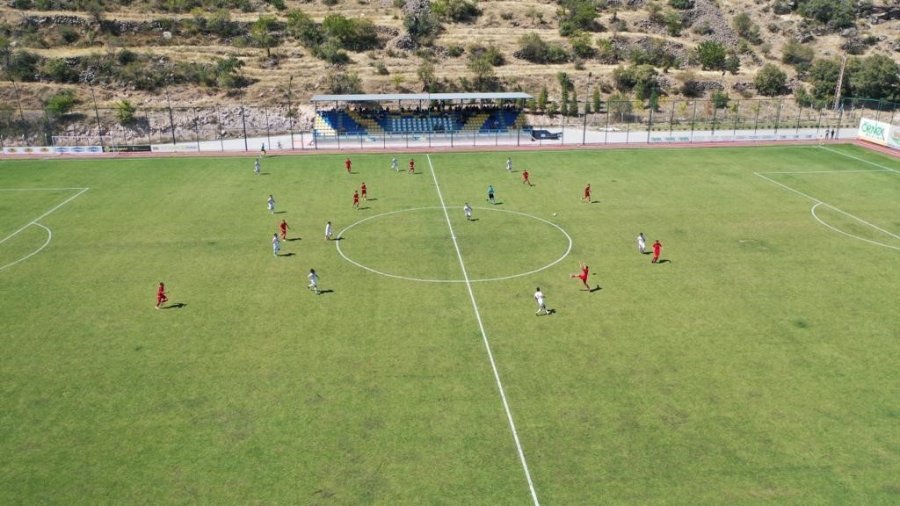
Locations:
758 362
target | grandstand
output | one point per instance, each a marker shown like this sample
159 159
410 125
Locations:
417 114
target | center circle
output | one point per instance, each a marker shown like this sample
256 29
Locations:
492 249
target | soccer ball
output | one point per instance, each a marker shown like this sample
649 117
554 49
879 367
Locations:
554 214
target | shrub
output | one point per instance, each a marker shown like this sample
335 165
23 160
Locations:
420 21
352 34
381 69
23 66
455 10
491 55
576 15
798 55
682 4
455 50
304 29
720 99
536 50
875 77
770 80
712 55
833 13
125 112
581 45
340 83
58 70
60 104
606 51
746 28
690 84
331 52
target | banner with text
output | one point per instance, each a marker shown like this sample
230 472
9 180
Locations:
879 132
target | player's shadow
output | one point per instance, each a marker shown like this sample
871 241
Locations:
595 289
177 305
371 200
664 261
286 254
363 208
338 238
323 292
645 253
497 203
595 202
292 239
551 311
280 212
265 174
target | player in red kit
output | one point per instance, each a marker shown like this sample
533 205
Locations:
412 166
525 177
362 191
283 226
161 295
583 275
347 165
657 248
587 194
355 199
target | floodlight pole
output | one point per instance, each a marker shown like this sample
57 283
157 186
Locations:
290 112
840 82
21 114
171 117
244 123
96 113
584 124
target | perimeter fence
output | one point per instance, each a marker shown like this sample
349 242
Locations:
248 127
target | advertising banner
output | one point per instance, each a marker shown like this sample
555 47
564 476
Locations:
879 132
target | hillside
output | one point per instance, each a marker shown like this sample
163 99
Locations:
132 50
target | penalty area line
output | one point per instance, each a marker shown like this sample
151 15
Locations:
35 252
859 159
826 204
487 344
34 221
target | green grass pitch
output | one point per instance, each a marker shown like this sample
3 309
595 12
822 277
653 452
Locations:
757 364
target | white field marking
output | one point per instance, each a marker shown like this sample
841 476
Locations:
37 189
860 159
64 202
482 280
35 252
825 171
487 345
813 211
826 204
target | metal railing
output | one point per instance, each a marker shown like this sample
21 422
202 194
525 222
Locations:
249 127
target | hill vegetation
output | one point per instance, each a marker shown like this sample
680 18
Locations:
206 51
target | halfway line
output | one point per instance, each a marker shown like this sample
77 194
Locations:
487 345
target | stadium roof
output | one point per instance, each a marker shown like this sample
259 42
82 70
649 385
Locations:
513 95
